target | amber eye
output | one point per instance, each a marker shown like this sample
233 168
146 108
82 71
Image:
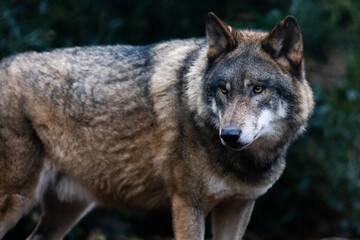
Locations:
224 90
258 89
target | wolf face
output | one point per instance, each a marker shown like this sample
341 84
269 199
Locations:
248 101
250 87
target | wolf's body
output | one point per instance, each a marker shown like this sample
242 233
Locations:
138 127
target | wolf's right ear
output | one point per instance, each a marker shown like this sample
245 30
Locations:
219 36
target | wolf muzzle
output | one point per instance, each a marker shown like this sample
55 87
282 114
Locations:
230 137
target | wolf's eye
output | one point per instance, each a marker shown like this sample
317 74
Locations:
224 90
258 89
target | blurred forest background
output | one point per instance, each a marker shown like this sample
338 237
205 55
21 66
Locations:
319 194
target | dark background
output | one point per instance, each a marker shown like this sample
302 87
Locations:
319 194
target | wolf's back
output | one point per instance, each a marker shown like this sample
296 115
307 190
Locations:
80 80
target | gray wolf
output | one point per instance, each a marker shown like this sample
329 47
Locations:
198 126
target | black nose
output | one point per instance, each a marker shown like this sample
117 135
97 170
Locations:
230 135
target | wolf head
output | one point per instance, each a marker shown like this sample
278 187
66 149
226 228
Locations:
255 85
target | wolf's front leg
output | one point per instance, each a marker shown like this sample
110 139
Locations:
230 219
188 219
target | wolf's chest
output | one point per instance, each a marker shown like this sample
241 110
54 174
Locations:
225 187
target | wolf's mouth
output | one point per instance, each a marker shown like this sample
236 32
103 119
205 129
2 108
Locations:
236 146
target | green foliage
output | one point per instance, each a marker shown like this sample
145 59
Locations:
326 24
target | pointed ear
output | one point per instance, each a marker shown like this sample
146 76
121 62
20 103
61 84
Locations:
285 40
219 36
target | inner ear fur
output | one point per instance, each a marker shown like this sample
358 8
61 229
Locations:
285 40
220 36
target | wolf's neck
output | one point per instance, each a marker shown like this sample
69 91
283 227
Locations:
194 85
257 164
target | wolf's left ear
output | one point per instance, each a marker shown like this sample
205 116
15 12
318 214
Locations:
285 41
219 36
